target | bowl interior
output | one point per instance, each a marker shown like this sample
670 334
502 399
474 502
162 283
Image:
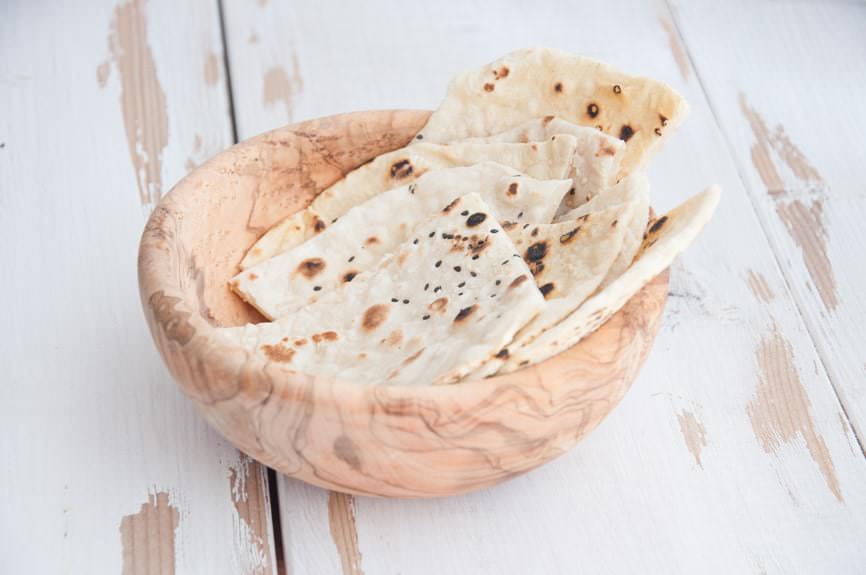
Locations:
406 441
240 194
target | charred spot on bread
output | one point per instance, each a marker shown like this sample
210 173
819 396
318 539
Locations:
517 281
401 169
658 224
626 132
278 353
374 316
536 251
311 267
465 312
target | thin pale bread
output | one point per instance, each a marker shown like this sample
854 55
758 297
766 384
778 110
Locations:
366 233
568 261
666 238
538 82
428 314
596 161
549 160
633 190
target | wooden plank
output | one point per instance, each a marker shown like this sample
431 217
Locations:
727 455
106 468
796 130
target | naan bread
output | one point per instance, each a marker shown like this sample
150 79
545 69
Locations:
596 160
360 238
666 238
538 82
632 190
552 159
568 261
428 314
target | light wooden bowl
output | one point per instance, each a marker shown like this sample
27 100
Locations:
376 440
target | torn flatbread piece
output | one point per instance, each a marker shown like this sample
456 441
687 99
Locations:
666 237
596 159
552 159
428 314
632 190
568 261
366 233
537 82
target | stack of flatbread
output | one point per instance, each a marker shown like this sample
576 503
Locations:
515 223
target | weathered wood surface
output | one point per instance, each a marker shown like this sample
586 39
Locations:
788 96
106 467
730 454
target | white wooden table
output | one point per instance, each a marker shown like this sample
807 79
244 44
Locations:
737 449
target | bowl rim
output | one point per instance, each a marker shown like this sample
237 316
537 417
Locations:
200 344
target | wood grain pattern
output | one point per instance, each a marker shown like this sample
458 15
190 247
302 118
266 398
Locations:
378 440
793 129
148 537
105 466
94 428
642 503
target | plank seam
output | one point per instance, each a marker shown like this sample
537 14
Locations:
227 70
756 208
270 477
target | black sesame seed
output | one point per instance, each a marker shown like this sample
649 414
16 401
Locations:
431 234
317 288
494 231
520 215
439 263
505 262
405 301
459 294
437 288
525 226
473 274
464 213
493 295
351 259
425 316
457 268
394 300
427 285
461 284
475 257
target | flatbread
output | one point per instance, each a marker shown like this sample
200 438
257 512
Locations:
596 160
360 238
568 261
538 82
633 190
428 314
552 159
666 238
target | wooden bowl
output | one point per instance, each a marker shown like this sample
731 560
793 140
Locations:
395 441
